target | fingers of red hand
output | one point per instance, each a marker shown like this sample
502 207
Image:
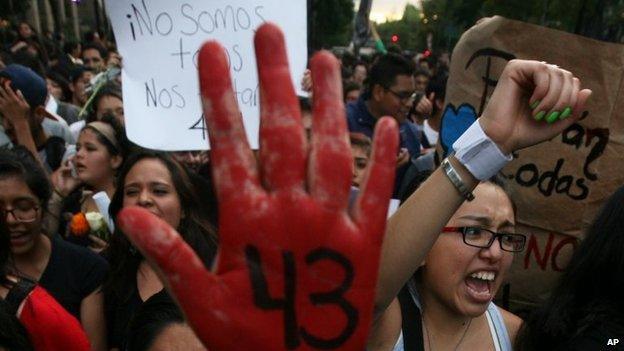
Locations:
234 166
173 259
372 205
283 148
330 171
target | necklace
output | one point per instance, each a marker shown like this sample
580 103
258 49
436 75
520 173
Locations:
458 343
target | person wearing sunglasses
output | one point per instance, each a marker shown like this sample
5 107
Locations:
447 304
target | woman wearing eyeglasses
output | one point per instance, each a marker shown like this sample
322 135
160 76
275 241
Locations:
70 274
447 304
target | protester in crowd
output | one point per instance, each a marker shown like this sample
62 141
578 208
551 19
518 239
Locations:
58 86
160 325
431 125
30 318
585 309
25 36
73 51
406 246
72 275
351 92
156 182
389 92
113 59
108 100
421 80
23 96
447 304
305 105
94 56
60 94
359 73
360 149
100 151
80 79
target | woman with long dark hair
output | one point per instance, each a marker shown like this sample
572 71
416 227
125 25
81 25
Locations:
155 181
31 262
586 308
100 151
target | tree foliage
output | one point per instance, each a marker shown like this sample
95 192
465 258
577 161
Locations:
446 20
331 23
13 9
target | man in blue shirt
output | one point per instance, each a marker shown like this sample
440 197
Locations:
389 92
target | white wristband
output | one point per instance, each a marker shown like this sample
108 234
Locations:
479 154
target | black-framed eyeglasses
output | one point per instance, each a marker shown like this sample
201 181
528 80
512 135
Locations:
403 96
24 214
484 238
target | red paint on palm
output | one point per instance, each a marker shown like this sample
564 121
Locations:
296 269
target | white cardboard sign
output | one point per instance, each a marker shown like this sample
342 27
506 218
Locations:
159 41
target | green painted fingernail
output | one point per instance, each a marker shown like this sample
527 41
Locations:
534 104
566 113
539 116
552 117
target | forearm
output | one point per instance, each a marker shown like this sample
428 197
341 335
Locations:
414 228
25 138
92 320
51 217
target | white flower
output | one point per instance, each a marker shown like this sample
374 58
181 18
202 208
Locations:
95 219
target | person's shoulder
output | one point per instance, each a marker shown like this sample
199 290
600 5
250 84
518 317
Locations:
352 110
512 322
69 107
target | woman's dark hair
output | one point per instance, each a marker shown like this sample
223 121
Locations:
157 313
122 147
385 70
111 88
437 85
94 46
70 46
590 293
348 87
194 228
19 163
13 335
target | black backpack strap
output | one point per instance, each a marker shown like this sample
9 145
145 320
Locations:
412 323
18 293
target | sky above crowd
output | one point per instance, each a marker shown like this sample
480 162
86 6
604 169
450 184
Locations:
384 10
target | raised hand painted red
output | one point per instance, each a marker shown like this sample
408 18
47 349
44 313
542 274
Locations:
296 269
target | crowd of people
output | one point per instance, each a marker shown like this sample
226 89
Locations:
73 276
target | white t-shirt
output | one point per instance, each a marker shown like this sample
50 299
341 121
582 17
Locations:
431 134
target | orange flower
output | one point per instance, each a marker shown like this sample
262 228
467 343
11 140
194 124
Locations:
79 225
